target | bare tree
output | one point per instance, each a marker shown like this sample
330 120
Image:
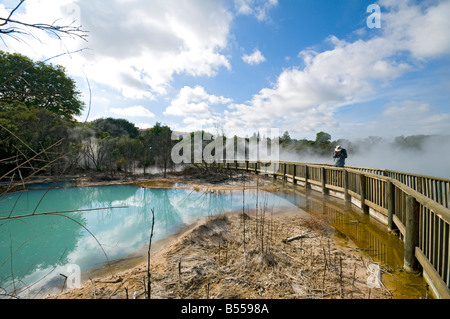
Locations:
17 29
98 152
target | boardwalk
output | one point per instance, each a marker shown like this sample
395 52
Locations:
415 205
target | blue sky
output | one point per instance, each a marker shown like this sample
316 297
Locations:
231 65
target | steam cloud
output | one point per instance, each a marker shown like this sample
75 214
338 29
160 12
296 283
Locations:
431 157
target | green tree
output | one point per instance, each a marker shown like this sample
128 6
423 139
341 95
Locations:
285 139
413 142
37 84
323 138
160 138
129 152
116 127
322 144
26 133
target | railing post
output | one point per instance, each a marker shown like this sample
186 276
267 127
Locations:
411 233
362 184
306 176
420 184
275 169
390 200
246 165
346 195
324 180
294 173
284 172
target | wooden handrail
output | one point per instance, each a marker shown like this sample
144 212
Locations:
423 201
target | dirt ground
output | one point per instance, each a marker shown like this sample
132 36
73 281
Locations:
243 256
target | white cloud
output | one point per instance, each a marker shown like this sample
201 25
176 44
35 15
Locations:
306 98
151 41
133 111
135 46
258 8
255 58
194 102
194 123
144 125
340 76
413 108
420 29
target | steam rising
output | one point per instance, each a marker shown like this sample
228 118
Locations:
430 156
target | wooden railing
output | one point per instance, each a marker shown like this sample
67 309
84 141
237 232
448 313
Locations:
415 205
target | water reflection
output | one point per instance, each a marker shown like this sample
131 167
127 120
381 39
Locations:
34 250
369 236
376 242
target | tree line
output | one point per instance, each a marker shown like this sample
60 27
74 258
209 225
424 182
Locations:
323 145
39 131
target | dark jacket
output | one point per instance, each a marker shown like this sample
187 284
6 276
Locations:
340 158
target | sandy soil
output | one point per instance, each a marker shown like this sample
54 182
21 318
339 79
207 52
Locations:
242 256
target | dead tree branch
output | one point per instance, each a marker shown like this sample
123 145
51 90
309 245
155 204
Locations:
148 256
17 29
287 240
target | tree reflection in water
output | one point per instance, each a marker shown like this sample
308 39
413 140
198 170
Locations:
35 251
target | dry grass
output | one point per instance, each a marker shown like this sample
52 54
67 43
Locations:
211 261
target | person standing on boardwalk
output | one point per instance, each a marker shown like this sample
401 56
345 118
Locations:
339 155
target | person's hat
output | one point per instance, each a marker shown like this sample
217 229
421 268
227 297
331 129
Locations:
338 148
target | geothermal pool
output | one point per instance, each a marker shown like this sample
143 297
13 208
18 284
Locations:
35 250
